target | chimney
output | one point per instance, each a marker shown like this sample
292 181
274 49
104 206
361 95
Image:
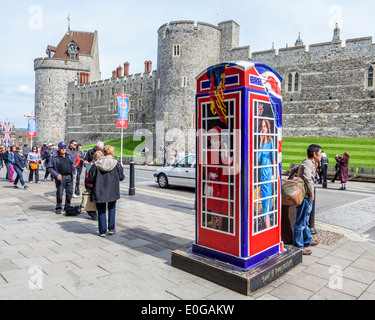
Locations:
126 68
148 66
88 77
114 74
119 72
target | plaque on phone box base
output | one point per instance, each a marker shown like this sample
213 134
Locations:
245 281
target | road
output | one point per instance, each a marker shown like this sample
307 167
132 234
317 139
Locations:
350 210
148 191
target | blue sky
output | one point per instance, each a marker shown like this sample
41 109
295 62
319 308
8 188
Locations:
127 31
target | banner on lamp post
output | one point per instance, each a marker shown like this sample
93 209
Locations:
123 111
31 126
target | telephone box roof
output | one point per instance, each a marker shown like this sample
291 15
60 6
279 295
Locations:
242 65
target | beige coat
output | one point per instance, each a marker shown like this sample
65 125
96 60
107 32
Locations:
307 171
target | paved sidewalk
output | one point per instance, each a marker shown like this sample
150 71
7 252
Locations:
67 259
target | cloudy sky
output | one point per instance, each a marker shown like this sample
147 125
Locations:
127 31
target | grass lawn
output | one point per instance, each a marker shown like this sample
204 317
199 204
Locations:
362 151
128 146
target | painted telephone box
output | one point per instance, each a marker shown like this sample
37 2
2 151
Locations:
238 191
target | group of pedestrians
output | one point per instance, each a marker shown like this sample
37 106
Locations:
17 159
103 176
64 166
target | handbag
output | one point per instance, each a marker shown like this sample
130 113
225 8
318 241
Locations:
292 191
33 166
86 204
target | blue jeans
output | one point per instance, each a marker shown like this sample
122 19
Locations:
101 207
301 231
19 176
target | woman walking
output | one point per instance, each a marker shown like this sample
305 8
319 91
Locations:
33 158
11 161
344 169
105 175
19 167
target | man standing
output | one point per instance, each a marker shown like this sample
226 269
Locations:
90 154
307 171
61 167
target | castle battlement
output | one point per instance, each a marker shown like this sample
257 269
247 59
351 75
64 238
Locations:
328 89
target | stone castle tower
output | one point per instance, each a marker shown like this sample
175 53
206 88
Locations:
76 58
184 50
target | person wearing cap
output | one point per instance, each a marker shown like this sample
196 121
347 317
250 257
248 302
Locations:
61 167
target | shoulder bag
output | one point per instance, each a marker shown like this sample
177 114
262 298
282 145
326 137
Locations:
292 191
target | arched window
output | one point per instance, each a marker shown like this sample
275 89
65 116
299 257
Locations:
296 78
370 79
290 81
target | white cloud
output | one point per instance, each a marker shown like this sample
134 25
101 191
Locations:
26 90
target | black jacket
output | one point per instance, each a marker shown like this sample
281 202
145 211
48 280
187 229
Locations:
19 160
105 175
53 165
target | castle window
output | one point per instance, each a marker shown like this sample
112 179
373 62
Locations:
131 117
184 82
370 79
293 82
290 82
42 104
296 82
49 80
176 50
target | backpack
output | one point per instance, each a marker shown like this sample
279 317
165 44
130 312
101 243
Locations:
73 211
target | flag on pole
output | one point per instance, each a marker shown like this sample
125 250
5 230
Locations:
7 134
31 126
123 111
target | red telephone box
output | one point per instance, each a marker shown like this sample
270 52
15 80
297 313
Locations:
238 185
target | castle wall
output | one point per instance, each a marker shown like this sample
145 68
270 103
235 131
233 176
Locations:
332 99
92 111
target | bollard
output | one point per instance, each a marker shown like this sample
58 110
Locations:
312 215
324 178
131 178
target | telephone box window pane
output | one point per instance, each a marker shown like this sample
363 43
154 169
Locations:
265 167
217 168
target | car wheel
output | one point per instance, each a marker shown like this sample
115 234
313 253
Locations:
163 181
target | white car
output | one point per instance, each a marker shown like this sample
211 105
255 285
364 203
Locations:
181 173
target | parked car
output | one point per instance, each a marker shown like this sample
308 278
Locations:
182 173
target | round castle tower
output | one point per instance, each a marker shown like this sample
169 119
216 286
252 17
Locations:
184 50
51 97
75 59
